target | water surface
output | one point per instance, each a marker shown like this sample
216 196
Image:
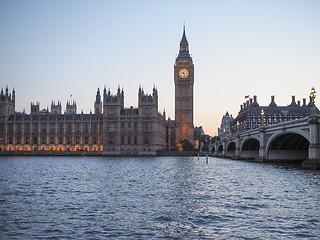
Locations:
155 198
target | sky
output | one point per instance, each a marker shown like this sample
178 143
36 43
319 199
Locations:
50 50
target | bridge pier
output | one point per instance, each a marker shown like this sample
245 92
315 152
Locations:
262 147
216 149
237 149
313 162
224 150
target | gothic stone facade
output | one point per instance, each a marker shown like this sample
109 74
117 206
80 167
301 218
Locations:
139 130
118 130
112 129
184 80
226 127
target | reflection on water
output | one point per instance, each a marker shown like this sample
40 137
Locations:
155 198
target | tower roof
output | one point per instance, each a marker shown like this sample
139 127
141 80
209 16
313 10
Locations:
184 40
184 47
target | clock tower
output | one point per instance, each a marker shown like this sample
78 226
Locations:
183 80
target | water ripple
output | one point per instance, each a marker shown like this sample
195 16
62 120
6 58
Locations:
155 198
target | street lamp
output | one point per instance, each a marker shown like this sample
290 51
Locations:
262 116
238 126
313 95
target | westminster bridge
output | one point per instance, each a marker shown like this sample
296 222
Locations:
295 141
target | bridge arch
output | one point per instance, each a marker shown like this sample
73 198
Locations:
249 147
230 149
288 145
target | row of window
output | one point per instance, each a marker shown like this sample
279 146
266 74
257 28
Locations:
267 121
129 140
52 130
51 148
95 127
52 140
146 127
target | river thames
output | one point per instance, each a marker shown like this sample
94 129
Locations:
156 198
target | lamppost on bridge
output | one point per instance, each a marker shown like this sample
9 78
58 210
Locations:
262 117
313 95
313 161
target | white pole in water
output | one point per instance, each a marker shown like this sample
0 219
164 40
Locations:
198 156
206 158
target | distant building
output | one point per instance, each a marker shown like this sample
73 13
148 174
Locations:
252 115
226 126
118 130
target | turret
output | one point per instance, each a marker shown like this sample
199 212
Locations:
113 103
7 102
71 107
56 108
13 96
148 103
148 99
155 95
98 103
34 107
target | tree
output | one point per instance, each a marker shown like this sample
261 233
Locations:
184 145
214 139
198 132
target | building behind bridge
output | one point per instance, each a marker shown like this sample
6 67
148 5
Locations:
252 115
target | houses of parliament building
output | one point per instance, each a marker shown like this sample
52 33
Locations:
111 129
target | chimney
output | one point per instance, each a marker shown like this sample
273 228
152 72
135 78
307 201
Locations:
255 99
272 98
293 103
250 101
304 102
298 103
241 107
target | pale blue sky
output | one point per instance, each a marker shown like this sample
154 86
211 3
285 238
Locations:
52 49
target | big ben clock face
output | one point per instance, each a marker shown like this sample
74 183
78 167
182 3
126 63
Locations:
183 73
